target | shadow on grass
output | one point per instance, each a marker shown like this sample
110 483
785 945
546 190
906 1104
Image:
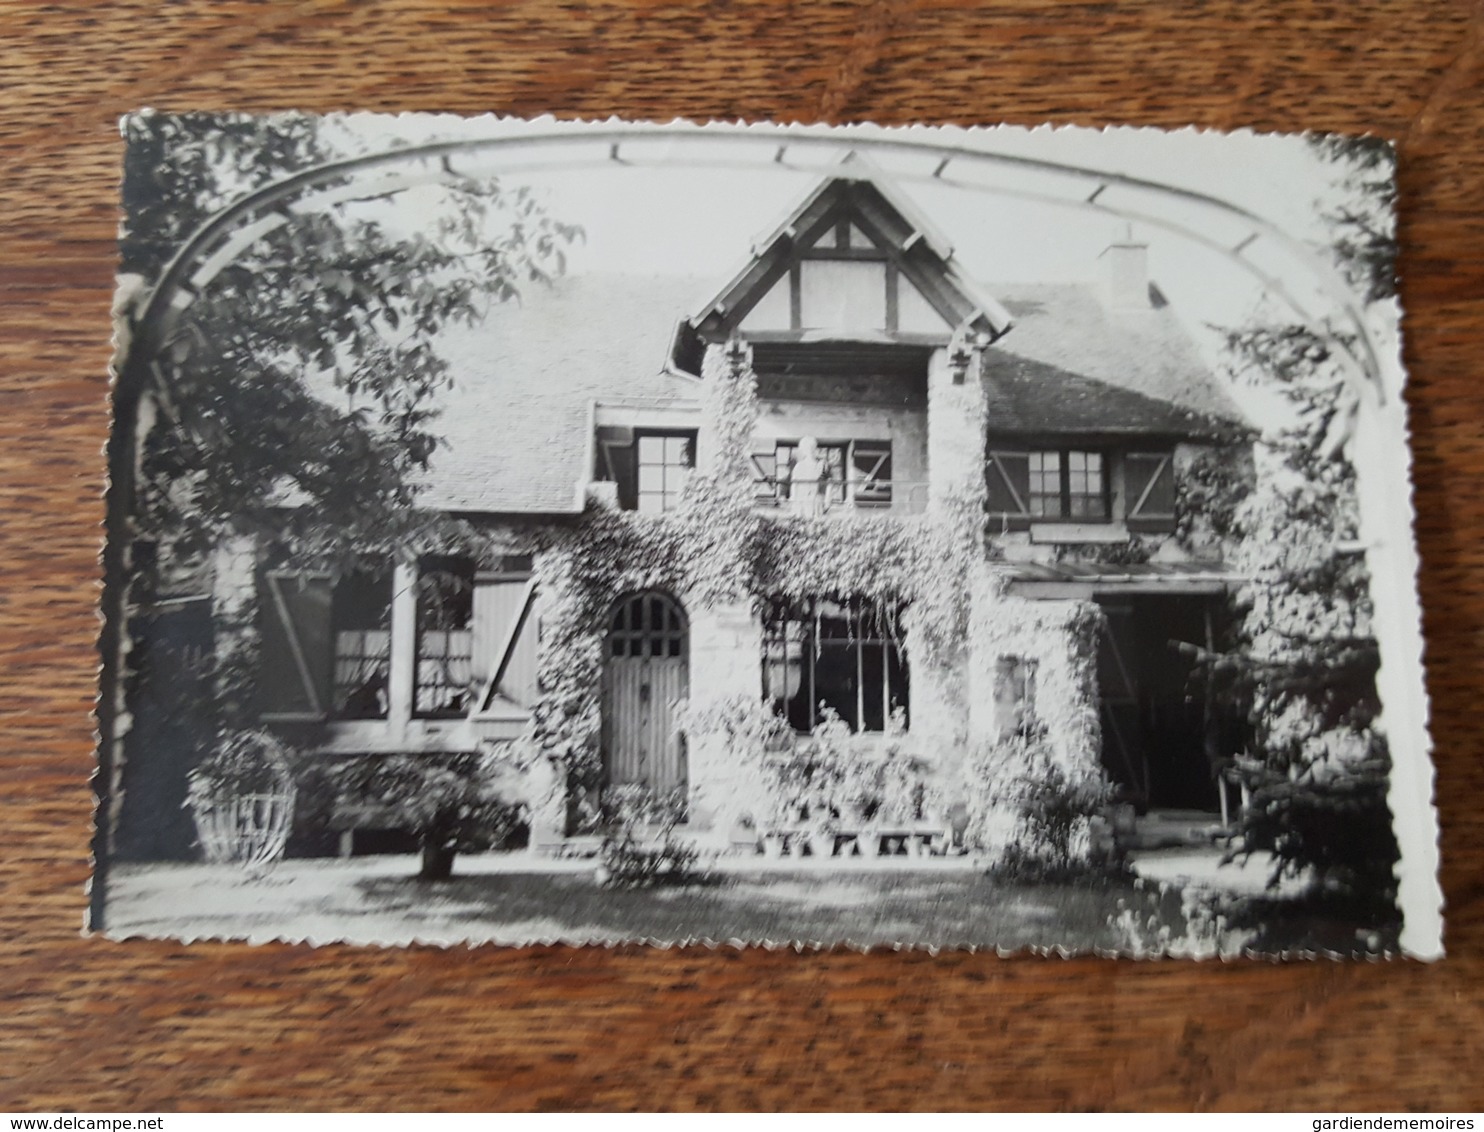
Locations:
882 909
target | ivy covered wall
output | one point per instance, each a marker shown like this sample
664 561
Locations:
1044 726
723 560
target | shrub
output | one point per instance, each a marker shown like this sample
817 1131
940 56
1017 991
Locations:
739 738
811 783
640 848
448 801
1335 824
1053 812
887 784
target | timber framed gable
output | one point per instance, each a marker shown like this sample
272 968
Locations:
856 241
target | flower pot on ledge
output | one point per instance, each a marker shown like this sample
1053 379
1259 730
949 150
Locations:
743 840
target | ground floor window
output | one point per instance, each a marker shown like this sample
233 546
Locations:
445 641
1015 698
844 655
361 613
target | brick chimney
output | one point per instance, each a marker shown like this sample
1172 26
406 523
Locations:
1126 274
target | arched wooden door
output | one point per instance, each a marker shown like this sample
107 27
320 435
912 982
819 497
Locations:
647 654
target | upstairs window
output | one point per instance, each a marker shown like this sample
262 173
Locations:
1068 484
833 458
1079 485
445 638
838 654
853 472
665 461
649 466
1049 485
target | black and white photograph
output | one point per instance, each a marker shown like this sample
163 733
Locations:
524 531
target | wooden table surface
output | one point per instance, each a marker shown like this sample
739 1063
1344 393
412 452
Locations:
89 1024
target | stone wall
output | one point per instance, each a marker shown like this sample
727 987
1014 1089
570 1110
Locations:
1056 641
725 666
956 423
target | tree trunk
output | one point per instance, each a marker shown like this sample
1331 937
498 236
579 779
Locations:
437 861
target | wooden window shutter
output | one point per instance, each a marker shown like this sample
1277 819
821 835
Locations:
871 471
297 648
765 474
1009 483
504 658
1149 483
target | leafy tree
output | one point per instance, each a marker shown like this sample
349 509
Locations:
294 400
1363 215
1304 671
451 803
307 371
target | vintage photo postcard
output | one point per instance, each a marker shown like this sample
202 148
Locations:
527 531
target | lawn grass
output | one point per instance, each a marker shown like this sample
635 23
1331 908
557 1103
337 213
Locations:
378 900
894 909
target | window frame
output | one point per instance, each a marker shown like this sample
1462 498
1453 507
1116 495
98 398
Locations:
1064 494
426 567
1016 488
287 644
668 500
843 492
365 662
809 647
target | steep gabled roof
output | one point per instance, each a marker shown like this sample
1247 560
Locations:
518 420
1072 366
855 195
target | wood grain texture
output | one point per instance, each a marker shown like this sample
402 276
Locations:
85 1023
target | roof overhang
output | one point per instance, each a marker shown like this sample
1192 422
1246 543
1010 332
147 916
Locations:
923 256
1088 581
646 413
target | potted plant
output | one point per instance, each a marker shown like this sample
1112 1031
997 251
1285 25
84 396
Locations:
241 798
866 805
822 831
743 838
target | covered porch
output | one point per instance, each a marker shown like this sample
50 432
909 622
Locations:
1167 742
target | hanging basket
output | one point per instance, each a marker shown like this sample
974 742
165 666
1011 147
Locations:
242 800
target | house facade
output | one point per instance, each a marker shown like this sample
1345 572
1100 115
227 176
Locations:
855 542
